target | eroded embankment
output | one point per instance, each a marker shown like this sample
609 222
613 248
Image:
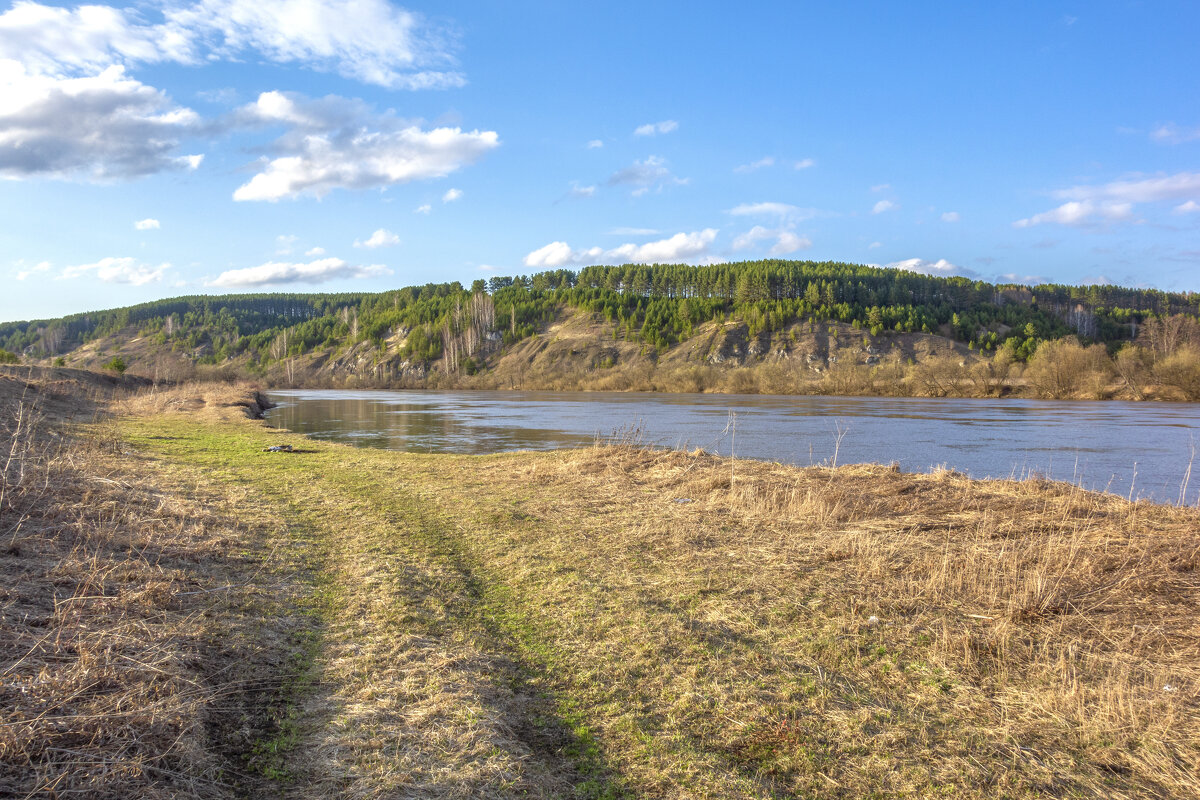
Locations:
614 621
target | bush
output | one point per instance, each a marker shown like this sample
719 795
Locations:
9 358
116 364
1063 368
1181 370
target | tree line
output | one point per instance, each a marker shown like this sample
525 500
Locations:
657 305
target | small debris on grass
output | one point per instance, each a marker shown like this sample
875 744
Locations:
279 448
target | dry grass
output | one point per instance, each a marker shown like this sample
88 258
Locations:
600 623
859 630
125 665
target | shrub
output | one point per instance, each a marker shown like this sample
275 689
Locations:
9 358
116 364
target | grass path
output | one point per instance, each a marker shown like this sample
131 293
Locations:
615 622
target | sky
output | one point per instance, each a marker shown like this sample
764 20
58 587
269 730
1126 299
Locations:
153 149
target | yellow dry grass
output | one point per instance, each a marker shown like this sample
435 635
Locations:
617 621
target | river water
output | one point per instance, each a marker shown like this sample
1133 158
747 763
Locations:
1132 449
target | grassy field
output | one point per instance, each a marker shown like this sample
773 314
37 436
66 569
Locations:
205 618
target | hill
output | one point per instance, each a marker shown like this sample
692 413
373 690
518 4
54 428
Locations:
774 326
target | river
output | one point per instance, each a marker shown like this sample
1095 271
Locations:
1132 449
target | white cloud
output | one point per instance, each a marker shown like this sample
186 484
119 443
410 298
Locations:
316 251
367 40
451 195
1077 212
633 232
98 127
41 266
645 175
1026 280
1138 190
783 211
655 128
284 243
147 225
675 248
371 41
335 144
785 241
64 42
940 268
553 255
755 165
1190 207
594 144
679 246
951 216
874 245
579 192
1171 133
1114 201
882 206
275 272
119 270
424 208
380 238
881 187
805 163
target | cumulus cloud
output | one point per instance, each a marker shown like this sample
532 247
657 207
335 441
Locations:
882 206
118 270
785 241
755 165
940 268
1115 201
595 144
675 248
66 42
655 128
424 208
380 238
805 163
951 216
1190 207
1078 212
334 143
645 175
451 195
284 243
315 251
874 245
147 225
278 272
1171 133
102 127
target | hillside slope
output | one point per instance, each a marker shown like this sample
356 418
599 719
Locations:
777 326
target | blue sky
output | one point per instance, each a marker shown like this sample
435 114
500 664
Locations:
203 146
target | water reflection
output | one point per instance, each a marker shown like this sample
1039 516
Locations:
1135 449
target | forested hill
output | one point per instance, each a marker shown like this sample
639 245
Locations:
655 306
